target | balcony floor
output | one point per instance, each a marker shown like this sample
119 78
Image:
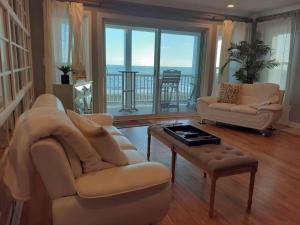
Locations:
145 110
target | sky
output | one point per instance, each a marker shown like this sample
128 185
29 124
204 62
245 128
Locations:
176 50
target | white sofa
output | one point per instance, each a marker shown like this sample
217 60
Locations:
259 106
138 193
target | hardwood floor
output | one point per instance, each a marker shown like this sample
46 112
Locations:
276 197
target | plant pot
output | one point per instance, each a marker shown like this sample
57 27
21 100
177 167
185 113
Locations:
65 79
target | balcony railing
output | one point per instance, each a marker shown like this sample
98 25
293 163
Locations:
145 89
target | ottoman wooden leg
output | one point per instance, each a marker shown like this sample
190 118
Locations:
251 187
148 146
212 197
174 157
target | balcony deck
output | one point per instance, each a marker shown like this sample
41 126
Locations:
144 94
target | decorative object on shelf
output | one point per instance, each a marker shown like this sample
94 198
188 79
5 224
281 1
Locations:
253 58
78 73
77 97
65 79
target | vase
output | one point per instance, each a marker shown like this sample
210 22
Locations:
65 79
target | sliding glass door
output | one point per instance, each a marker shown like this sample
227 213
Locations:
179 71
129 70
149 70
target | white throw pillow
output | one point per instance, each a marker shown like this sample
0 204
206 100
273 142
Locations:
100 139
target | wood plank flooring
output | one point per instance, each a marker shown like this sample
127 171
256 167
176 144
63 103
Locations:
276 197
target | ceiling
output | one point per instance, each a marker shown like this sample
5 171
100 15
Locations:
242 7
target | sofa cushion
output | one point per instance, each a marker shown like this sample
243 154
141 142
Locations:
258 93
100 139
123 142
112 130
229 93
221 106
244 109
121 180
134 156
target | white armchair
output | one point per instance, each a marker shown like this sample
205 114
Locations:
138 193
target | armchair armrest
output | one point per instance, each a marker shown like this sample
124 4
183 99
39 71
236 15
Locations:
270 107
120 180
101 118
208 99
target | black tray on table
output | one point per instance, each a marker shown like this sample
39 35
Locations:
191 135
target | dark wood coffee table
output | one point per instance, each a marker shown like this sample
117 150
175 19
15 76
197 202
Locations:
216 160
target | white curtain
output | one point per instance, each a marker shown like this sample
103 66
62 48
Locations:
229 32
277 34
77 48
64 37
61 36
241 32
226 43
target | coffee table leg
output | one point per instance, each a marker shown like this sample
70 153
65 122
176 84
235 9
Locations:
251 187
174 157
149 145
212 196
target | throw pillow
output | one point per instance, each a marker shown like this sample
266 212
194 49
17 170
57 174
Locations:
229 93
100 139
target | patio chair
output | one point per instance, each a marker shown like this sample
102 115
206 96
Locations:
169 90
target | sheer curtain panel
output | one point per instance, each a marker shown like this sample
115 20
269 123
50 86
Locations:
277 34
227 30
64 40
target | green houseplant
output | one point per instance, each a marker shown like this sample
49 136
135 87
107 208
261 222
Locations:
65 77
253 59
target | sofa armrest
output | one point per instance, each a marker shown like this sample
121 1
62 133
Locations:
57 176
120 180
208 99
270 107
101 118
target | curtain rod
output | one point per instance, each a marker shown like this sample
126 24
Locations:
276 16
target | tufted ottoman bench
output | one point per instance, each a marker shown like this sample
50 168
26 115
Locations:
215 160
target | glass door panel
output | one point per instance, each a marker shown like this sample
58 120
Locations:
179 71
129 70
115 62
143 47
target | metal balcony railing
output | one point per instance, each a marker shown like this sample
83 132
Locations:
145 89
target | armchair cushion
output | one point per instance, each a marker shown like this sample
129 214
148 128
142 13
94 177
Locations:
121 180
104 143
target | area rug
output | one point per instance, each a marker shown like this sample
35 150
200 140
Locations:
131 123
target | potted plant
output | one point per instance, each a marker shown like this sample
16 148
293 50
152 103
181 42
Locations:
253 58
65 77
